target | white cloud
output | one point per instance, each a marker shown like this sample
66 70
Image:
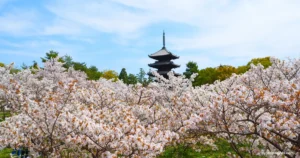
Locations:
101 16
18 22
244 26
235 31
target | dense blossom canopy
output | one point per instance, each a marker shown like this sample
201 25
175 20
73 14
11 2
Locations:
55 109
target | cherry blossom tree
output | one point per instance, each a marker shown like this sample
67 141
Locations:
55 109
259 108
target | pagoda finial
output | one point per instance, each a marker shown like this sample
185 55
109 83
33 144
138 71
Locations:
164 43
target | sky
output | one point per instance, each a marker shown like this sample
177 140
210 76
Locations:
116 34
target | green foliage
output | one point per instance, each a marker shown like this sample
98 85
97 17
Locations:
24 66
68 61
4 114
263 61
50 55
180 151
141 77
123 76
225 71
191 67
5 153
35 65
69 153
110 74
242 69
210 75
79 66
93 73
2 64
132 79
14 70
205 151
206 76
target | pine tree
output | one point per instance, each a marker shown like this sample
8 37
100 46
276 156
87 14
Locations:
123 76
191 67
132 79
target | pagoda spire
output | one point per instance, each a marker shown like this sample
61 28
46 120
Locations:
164 42
163 63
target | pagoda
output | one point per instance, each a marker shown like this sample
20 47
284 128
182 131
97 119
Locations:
163 64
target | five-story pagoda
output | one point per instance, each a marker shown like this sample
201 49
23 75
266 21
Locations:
163 63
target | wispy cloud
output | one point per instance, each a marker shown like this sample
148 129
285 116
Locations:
17 22
103 16
210 33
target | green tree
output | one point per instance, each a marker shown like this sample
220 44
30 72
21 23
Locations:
24 66
141 77
2 64
123 76
93 73
225 71
242 69
191 67
68 61
266 62
35 65
210 75
206 76
110 74
132 79
79 66
50 55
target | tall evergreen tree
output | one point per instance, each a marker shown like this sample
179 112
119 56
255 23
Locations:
132 79
141 77
191 67
68 61
123 76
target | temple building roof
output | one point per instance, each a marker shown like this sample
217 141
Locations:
163 63
158 64
164 73
163 53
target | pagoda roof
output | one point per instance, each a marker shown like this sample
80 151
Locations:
163 63
163 52
164 73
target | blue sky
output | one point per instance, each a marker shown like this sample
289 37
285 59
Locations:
112 34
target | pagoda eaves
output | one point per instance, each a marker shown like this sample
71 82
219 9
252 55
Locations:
163 54
163 73
163 64
167 64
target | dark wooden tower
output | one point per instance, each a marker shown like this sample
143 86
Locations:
163 63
